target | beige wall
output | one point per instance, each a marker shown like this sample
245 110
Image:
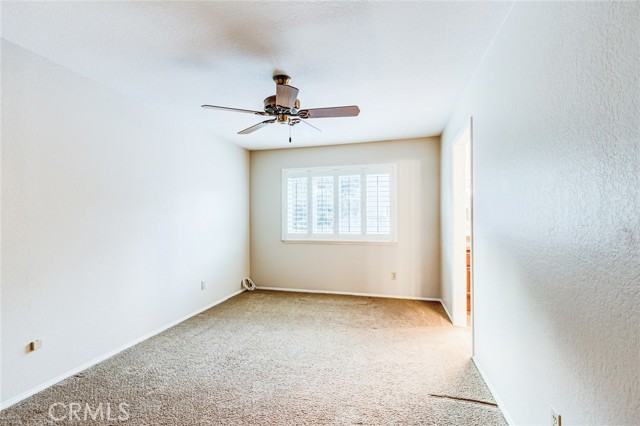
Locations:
360 268
556 146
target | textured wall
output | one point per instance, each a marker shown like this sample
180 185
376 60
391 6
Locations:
556 117
360 268
112 214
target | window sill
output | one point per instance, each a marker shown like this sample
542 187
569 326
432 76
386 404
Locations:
343 242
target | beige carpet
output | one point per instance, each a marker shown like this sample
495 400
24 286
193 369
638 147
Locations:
276 358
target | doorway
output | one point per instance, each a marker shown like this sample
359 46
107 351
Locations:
463 227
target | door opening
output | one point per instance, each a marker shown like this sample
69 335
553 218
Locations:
462 273
467 205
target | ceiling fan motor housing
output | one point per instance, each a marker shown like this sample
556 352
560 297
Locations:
270 107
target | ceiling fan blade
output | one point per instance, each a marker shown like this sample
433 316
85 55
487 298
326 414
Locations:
286 95
310 125
221 108
256 127
343 111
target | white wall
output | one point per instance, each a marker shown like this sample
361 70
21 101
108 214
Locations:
556 147
112 214
359 268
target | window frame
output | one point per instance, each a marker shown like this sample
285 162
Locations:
336 171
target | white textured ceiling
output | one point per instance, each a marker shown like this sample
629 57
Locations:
403 64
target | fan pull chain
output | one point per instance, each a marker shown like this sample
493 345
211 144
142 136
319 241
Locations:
290 133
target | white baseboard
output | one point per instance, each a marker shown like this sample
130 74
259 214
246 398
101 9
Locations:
495 395
12 401
350 293
446 311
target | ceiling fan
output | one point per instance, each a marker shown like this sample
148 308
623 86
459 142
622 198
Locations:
284 106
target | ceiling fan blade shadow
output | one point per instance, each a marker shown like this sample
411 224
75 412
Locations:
342 111
221 108
286 95
256 127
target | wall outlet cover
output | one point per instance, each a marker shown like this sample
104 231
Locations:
556 419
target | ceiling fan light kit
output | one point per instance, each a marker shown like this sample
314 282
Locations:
285 107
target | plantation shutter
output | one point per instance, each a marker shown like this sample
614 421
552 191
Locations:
341 204
297 207
378 204
322 194
350 197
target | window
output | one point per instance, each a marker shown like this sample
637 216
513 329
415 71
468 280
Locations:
354 203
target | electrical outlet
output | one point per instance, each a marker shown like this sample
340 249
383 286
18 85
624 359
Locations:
394 276
203 285
556 419
36 344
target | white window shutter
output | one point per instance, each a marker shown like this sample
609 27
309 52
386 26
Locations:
342 204
378 204
322 196
350 199
297 205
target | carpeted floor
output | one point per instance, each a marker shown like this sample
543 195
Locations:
277 358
